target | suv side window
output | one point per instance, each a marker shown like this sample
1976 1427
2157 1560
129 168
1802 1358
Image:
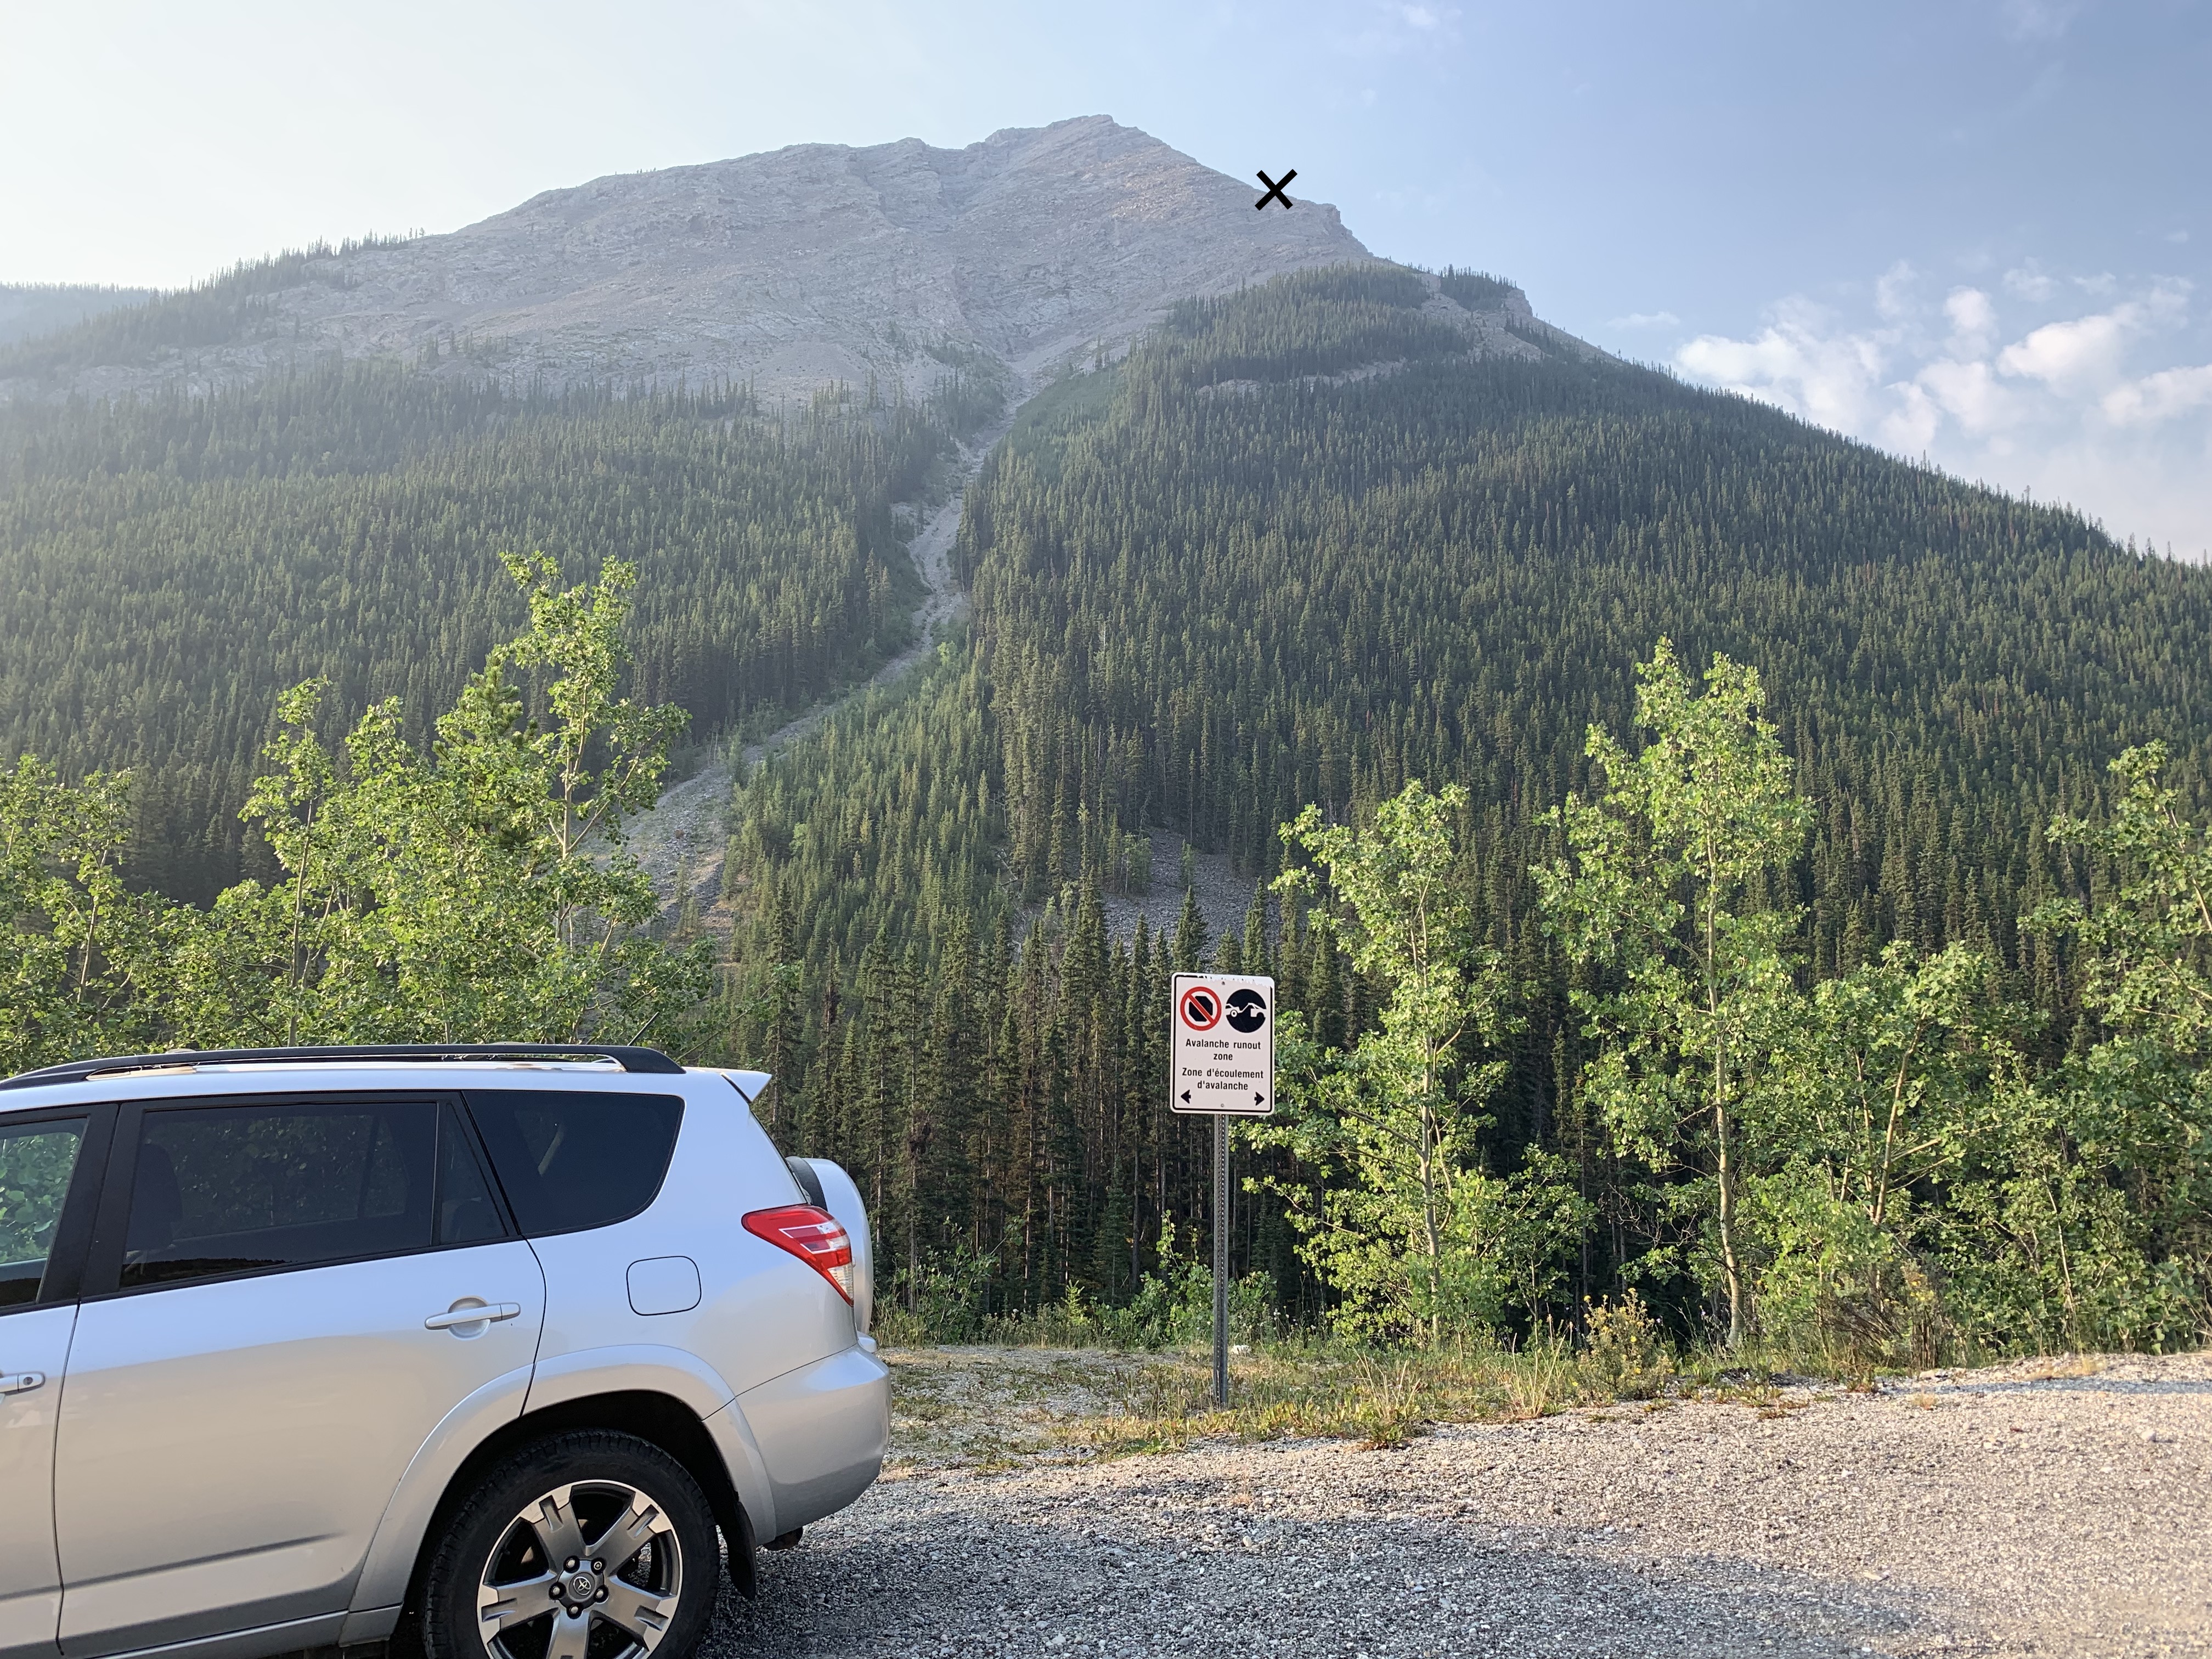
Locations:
36 1161
568 1159
251 1188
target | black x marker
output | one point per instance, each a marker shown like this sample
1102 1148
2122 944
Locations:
1275 191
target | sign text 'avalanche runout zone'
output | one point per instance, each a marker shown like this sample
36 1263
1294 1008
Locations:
1221 1044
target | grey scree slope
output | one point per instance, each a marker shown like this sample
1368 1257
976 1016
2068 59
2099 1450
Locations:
797 268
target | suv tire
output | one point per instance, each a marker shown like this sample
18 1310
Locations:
586 1545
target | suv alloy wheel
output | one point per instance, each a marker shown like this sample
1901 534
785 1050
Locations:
588 1545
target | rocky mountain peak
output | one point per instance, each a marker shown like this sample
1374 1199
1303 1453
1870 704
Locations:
795 268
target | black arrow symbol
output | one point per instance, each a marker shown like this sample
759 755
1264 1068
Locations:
1186 1096
1258 1100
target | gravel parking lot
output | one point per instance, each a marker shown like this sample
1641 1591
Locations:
2051 1508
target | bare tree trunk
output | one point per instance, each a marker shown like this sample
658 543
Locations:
1889 1134
1429 1203
1737 1312
1724 1165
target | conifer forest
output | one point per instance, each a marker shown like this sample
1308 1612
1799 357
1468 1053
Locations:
1701 857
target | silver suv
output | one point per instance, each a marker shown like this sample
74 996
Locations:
478 1347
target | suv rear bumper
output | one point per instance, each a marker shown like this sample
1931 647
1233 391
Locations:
822 1431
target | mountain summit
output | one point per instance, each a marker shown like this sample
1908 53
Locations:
792 268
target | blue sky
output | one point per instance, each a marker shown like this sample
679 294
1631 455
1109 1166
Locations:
1978 231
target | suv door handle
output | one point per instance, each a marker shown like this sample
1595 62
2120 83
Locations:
482 1314
22 1382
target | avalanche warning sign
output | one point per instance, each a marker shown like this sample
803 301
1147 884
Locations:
1221 1044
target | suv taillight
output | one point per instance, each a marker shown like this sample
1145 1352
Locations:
815 1236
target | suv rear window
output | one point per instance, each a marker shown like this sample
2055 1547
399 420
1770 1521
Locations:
570 1159
226 1189
249 1188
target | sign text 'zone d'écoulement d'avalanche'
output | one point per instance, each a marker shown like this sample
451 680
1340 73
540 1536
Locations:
1221 1046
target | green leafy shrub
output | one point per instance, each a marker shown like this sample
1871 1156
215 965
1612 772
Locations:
1625 1351
946 1299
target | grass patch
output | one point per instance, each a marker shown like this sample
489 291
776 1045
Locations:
983 1408
1376 1399
2064 1367
1073 1382
988 1408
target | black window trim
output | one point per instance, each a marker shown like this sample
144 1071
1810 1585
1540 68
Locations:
63 1280
469 1096
453 1108
102 1262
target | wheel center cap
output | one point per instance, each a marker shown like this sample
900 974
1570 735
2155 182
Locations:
582 1586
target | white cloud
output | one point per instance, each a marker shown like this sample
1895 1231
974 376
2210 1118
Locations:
1390 27
2086 352
1970 394
2039 20
1973 322
1646 320
2159 396
2065 355
2026 281
1800 361
2074 406
1893 290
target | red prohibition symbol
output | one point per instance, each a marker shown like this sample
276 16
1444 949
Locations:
1201 1008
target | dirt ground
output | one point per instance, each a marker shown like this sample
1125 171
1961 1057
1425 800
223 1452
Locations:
2053 1508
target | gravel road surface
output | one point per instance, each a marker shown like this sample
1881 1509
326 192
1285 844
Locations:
2031 1510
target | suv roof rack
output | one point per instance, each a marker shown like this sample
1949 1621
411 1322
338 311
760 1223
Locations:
630 1057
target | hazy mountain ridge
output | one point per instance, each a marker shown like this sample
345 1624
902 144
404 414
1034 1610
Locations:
790 270
33 308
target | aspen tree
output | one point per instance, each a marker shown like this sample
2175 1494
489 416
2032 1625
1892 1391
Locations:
1660 887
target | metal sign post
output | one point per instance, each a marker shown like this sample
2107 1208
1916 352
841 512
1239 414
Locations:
1221 1062
1221 1225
